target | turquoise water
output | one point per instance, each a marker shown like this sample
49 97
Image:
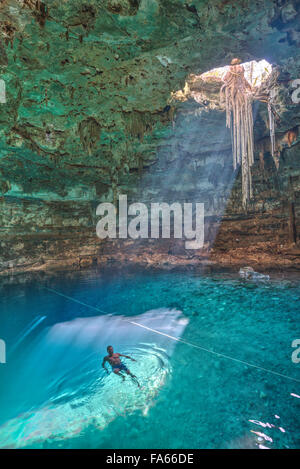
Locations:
54 393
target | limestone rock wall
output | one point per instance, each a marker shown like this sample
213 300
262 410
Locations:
89 115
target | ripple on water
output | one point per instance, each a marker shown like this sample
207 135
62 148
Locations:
208 401
85 395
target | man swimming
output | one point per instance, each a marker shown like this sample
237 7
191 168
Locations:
117 366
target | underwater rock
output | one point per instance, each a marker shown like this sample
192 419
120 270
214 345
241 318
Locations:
249 273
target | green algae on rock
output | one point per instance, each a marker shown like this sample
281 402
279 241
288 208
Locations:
89 115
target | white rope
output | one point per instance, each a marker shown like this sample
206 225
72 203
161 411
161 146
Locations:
178 339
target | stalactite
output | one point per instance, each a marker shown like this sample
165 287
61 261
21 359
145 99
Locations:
272 127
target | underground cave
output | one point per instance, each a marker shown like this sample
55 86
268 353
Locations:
171 320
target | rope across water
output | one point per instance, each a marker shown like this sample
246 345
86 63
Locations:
199 347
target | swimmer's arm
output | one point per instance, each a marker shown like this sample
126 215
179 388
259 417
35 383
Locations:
126 356
103 364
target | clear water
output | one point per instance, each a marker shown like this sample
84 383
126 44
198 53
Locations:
54 393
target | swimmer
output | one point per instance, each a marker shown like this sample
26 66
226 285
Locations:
117 366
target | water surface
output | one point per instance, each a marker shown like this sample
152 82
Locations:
54 393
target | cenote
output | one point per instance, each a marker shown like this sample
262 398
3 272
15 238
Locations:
149 226
55 394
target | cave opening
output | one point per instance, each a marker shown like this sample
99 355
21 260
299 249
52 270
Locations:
255 72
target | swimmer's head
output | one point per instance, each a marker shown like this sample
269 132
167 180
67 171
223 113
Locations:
235 61
110 349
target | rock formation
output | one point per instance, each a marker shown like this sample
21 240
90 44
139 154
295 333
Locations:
89 114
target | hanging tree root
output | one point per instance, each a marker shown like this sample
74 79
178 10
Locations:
238 96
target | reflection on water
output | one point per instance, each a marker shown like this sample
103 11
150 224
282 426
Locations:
260 438
84 396
263 437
